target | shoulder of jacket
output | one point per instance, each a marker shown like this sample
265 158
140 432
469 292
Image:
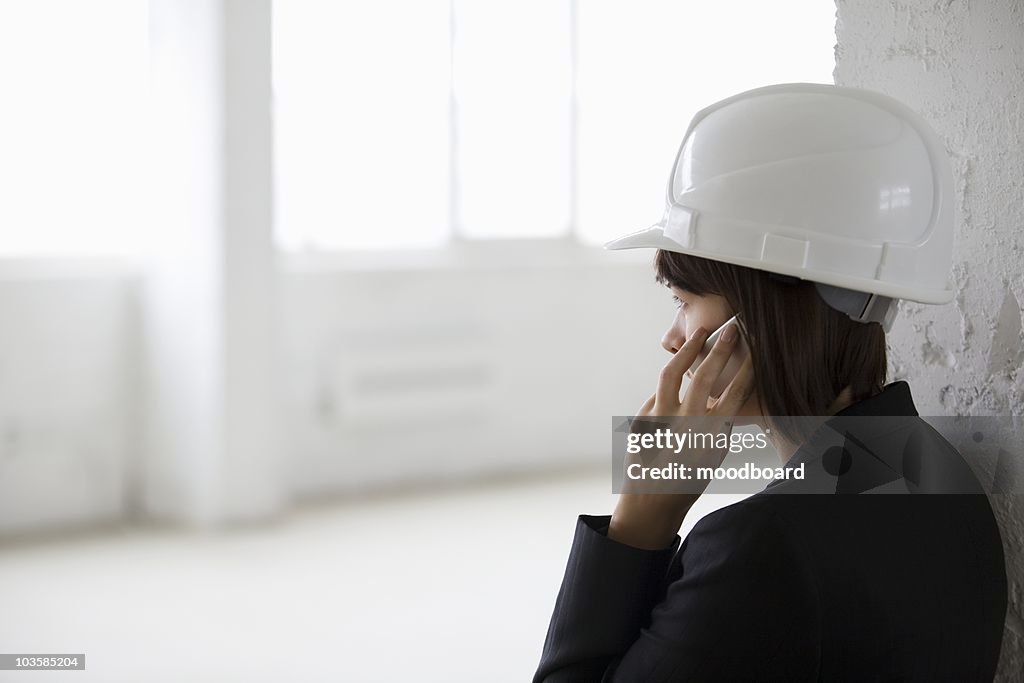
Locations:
756 532
758 514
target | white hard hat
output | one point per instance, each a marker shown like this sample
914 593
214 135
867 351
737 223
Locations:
843 187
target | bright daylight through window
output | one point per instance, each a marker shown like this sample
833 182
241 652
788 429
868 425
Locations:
529 119
398 123
73 76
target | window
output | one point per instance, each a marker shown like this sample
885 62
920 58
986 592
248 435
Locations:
361 94
512 86
73 77
405 123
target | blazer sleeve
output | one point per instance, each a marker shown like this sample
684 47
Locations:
737 603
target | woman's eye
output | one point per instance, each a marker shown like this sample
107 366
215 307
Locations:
679 302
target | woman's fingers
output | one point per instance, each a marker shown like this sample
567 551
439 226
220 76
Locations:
699 391
671 379
648 405
739 390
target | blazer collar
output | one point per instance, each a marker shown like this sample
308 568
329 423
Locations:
893 409
894 399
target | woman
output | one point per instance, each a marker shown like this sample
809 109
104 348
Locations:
807 211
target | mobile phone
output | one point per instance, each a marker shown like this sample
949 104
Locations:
739 353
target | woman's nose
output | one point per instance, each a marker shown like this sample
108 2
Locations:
673 340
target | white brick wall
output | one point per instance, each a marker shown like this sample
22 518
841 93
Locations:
961 65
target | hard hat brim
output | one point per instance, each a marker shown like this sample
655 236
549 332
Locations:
651 237
654 237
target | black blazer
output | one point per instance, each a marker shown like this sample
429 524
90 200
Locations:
783 587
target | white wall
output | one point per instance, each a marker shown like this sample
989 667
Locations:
68 395
510 359
961 65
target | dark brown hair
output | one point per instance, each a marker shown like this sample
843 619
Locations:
804 352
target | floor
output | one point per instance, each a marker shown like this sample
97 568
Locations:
453 585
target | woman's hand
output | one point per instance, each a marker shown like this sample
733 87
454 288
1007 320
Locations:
651 520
